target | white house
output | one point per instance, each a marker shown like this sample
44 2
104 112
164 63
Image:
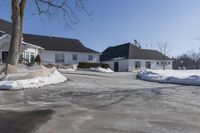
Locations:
57 50
127 57
62 50
28 51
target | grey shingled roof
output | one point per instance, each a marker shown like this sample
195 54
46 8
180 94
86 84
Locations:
5 26
129 51
57 43
49 43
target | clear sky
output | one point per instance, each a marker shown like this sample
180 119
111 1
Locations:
119 21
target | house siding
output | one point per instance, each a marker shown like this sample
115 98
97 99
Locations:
48 57
123 64
129 64
154 65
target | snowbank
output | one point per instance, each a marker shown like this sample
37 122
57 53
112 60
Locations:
184 77
53 78
100 69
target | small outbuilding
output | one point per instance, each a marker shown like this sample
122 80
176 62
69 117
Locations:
128 57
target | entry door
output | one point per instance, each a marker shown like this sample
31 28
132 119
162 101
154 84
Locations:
148 65
116 66
4 56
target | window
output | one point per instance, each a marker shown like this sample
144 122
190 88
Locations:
59 58
74 57
158 63
32 57
90 57
169 63
4 56
21 55
137 64
27 56
148 64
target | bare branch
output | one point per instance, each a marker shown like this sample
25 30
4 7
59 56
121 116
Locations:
61 7
164 49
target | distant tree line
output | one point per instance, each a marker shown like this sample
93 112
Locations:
189 60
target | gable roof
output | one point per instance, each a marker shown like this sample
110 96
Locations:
47 42
6 26
57 43
129 51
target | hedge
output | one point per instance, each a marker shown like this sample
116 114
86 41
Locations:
86 65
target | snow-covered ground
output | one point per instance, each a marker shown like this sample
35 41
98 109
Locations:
52 78
100 69
184 77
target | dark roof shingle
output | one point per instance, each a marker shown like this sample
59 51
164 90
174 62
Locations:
6 26
49 43
129 51
57 43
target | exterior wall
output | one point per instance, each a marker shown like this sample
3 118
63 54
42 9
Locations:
123 64
129 64
48 57
5 44
29 50
155 64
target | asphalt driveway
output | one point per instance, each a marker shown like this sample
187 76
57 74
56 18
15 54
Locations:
102 103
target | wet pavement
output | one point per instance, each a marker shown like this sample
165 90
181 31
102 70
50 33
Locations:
102 103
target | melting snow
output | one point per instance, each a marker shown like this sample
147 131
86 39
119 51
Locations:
53 78
185 77
100 69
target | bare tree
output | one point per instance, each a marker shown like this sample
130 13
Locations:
195 56
136 43
43 7
165 50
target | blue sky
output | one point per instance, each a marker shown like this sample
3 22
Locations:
119 21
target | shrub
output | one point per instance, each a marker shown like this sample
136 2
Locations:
38 59
104 65
86 65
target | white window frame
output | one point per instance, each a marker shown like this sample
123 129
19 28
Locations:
59 55
90 57
148 63
74 57
32 54
27 56
139 64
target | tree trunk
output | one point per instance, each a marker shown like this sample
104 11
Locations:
16 39
163 64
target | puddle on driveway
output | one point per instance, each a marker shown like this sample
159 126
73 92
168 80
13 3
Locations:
23 122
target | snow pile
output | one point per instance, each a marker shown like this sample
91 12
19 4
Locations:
66 70
184 77
100 69
53 78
